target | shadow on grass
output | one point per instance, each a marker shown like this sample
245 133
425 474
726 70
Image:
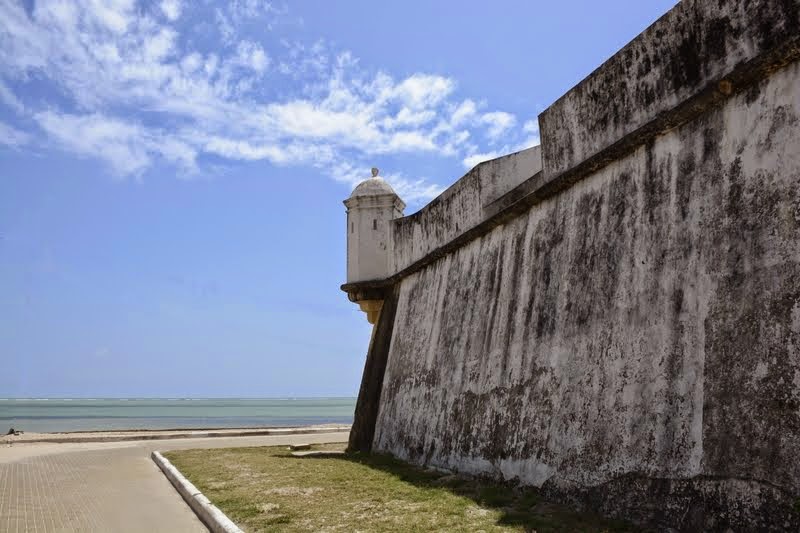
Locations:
520 507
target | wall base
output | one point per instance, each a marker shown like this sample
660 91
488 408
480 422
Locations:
701 503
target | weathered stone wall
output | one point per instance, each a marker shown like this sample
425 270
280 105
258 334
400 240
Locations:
622 329
646 321
461 207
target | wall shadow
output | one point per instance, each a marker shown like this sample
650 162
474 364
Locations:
520 507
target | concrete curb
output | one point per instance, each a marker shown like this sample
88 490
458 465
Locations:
210 515
188 435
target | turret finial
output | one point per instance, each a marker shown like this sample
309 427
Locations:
375 172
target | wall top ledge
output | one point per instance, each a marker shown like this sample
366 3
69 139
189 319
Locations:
695 43
694 57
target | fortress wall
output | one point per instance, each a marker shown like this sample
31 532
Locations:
696 42
460 207
630 338
645 321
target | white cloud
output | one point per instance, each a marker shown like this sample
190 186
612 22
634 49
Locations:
23 45
474 159
191 62
531 128
303 60
234 13
409 141
465 111
12 137
128 148
159 46
294 153
303 118
252 56
248 9
93 135
414 190
225 26
498 122
407 117
137 93
244 150
422 90
115 15
8 97
171 9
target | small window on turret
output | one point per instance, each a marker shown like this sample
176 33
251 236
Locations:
352 227
374 223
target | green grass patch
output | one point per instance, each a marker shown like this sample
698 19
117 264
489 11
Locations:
268 489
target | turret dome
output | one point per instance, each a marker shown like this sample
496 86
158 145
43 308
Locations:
373 186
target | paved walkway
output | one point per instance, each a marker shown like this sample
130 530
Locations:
105 486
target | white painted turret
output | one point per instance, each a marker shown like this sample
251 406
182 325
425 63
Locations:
370 207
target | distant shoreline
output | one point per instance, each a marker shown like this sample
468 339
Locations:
158 398
163 434
71 415
163 430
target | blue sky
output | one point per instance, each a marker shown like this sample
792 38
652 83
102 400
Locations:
171 172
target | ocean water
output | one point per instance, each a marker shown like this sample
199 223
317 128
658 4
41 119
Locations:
86 414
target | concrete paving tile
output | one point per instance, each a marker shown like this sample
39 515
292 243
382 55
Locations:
102 487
